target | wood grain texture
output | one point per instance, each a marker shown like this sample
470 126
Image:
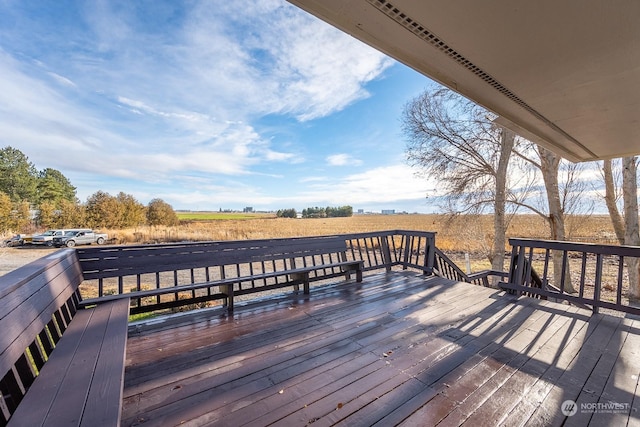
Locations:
397 349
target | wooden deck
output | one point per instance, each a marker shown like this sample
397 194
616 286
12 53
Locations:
397 349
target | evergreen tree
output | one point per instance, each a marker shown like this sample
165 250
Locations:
54 187
18 176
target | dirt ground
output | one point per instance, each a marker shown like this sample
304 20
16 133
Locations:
13 258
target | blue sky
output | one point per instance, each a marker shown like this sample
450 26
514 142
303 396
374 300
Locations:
206 104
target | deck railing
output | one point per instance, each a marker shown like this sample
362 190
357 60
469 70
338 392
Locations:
186 263
386 249
446 267
597 273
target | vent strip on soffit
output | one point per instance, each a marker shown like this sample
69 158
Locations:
422 32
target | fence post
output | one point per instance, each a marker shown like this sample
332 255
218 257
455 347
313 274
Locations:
408 243
430 253
386 252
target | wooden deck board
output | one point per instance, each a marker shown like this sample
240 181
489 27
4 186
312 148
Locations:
398 349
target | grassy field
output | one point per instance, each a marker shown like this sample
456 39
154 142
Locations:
215 216
460 234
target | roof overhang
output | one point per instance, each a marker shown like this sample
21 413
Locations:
565 74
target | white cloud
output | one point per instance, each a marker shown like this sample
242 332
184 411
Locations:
390 185
62 80
314 179
115 96
343 160
295 64
383 184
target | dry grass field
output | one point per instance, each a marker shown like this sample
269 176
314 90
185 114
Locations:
460 234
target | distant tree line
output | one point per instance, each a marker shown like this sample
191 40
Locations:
317 212
287 213
48 193
328 212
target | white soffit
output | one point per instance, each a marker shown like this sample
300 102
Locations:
564 73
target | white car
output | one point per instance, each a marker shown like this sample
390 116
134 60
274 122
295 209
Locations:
46 238
79 237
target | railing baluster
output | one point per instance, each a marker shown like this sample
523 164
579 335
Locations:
620 278
529 265
138 287
408 242
597 285
563 274
175 283
158 286
193 280
513 265
207 277
238 274
366 249
583 271
545 270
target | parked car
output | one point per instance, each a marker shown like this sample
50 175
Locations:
17 240
46 238
79 237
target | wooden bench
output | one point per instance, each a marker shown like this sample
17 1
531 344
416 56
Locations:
62 365
295 259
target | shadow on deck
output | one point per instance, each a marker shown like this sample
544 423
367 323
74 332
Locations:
398 349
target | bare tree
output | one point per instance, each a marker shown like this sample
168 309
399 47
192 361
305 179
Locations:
631 235
455 141
507 139
626 224
563 194
549 166
611 197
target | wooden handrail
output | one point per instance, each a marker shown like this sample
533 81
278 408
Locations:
597 270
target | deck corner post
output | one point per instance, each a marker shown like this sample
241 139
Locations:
430 254
386 252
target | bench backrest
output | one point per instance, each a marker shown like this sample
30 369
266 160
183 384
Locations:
102 262
37 301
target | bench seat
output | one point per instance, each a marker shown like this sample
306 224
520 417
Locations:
81 383
298 276
60 364
234 267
